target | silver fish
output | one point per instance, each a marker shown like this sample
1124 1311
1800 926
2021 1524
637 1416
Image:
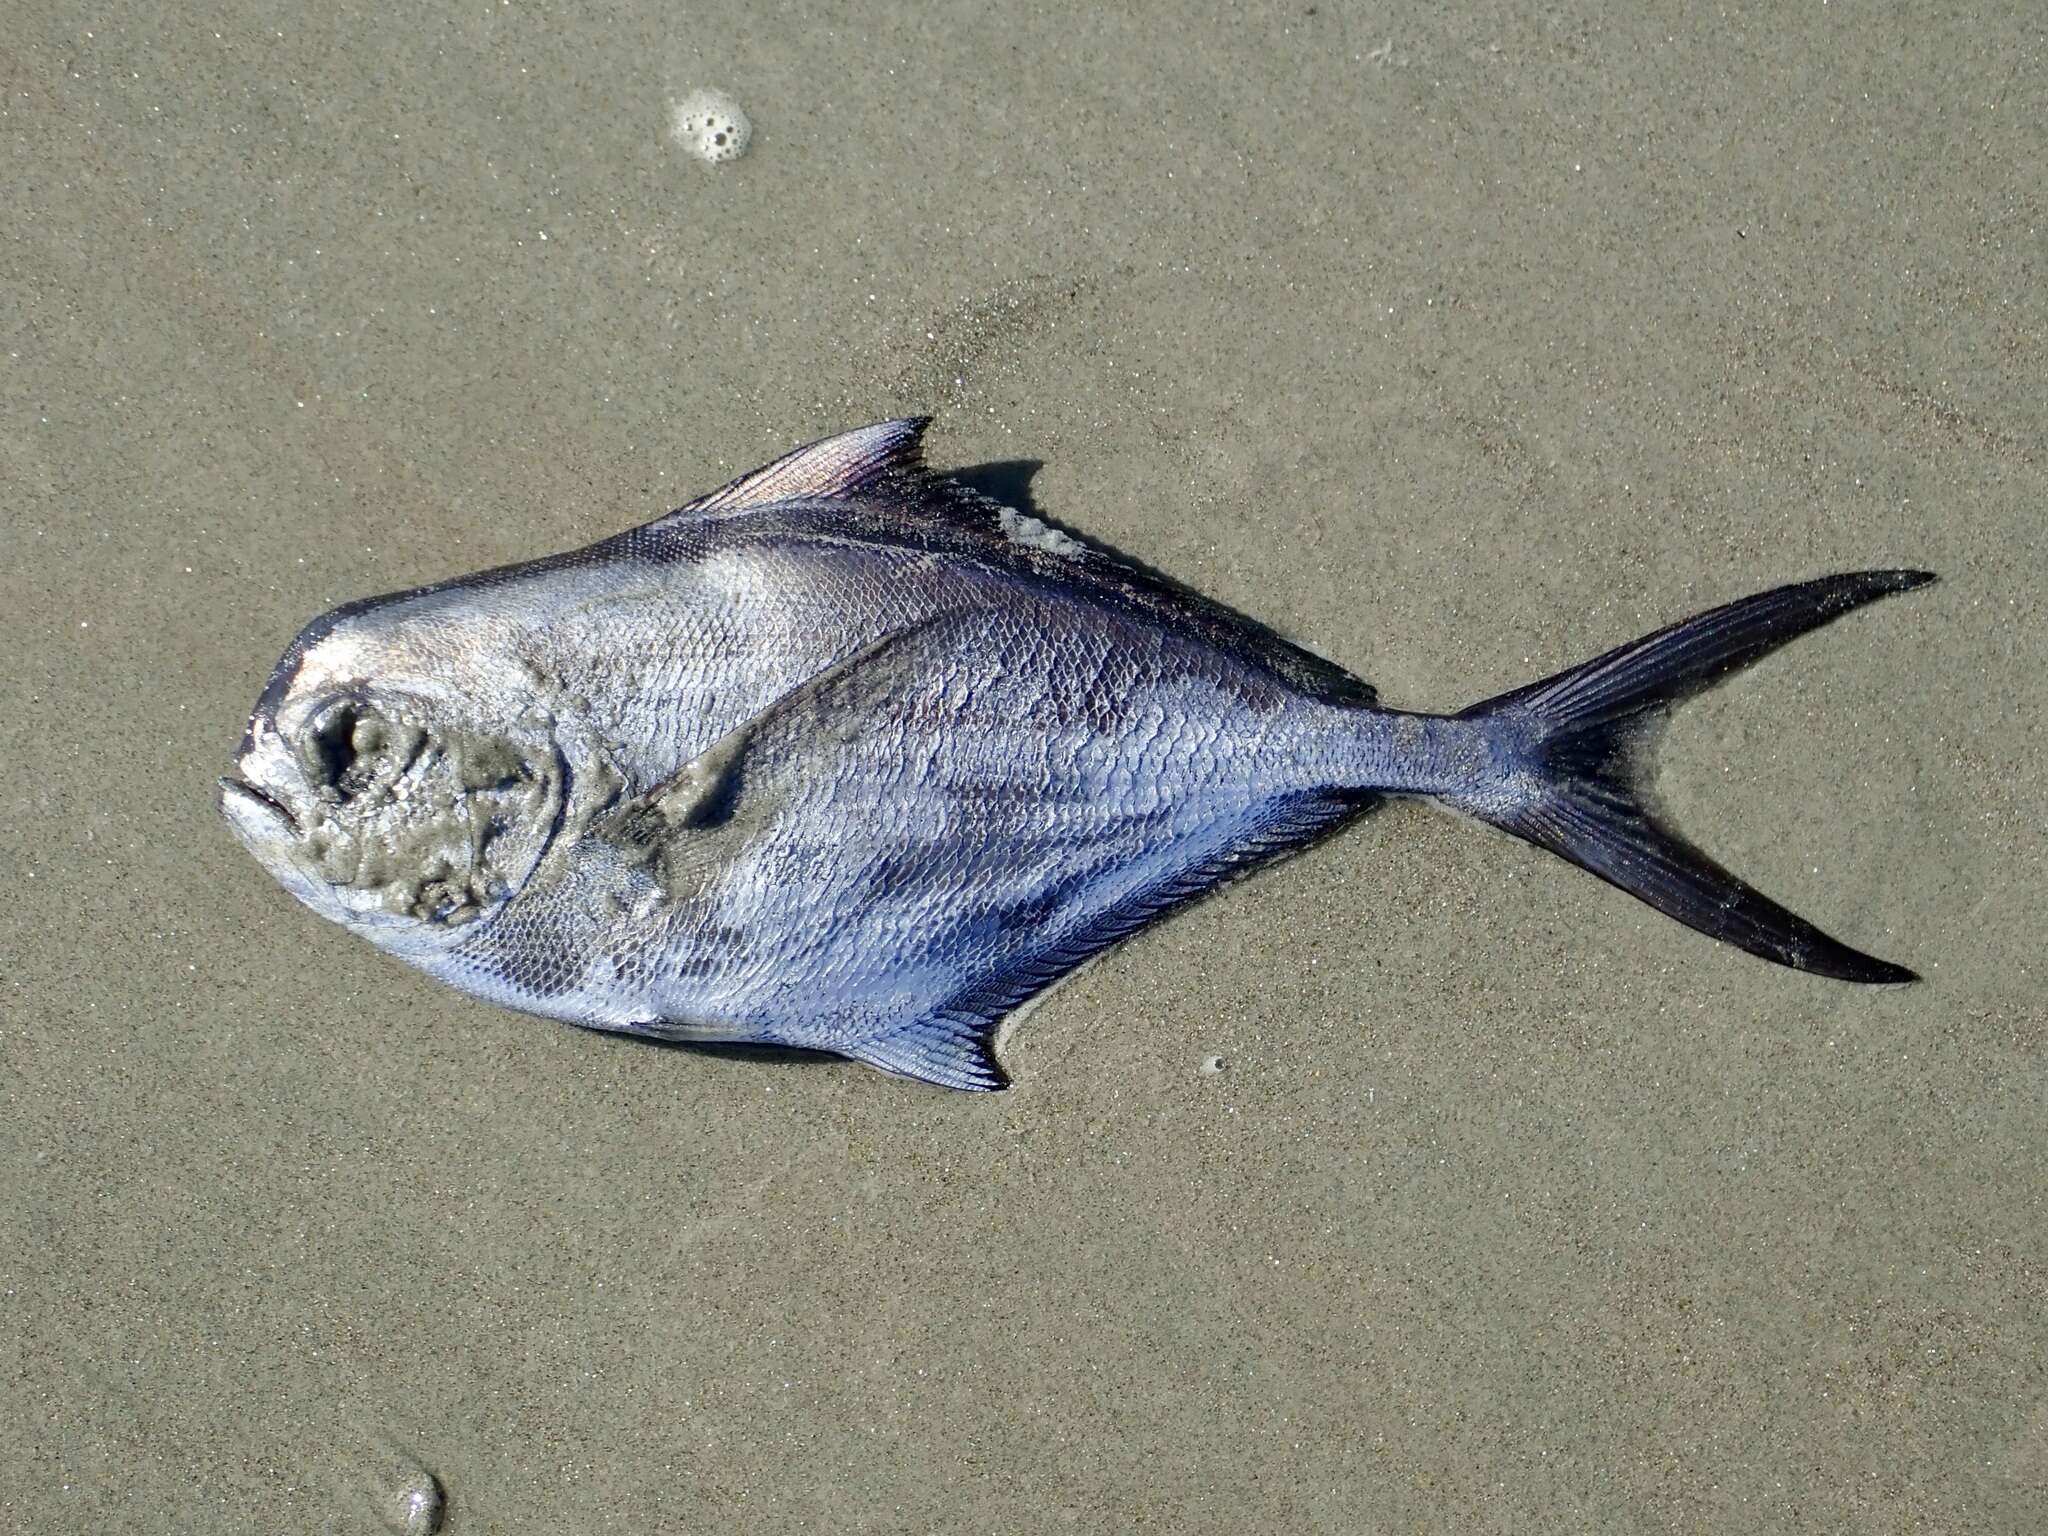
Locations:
847 756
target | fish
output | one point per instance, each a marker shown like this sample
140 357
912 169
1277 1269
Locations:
851 757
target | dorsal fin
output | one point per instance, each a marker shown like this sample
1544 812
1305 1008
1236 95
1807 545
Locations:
884 464
833 466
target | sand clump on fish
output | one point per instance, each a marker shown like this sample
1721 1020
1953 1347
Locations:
847 756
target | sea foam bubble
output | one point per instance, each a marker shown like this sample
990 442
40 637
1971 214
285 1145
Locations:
710 125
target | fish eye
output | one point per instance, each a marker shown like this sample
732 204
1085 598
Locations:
328 747
350 749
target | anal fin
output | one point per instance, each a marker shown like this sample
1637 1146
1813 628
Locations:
954 1045
951 1050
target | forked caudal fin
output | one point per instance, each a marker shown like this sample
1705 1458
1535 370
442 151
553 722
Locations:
1562 773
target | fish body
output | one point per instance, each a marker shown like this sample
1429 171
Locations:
849 757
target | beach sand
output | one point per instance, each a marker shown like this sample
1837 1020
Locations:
1456 347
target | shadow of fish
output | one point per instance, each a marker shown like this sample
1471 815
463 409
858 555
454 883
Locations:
849 757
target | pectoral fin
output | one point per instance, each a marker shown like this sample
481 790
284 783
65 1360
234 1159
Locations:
727 792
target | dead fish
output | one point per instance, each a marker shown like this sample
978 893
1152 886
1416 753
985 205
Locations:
847 756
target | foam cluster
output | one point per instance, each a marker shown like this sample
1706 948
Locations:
710 126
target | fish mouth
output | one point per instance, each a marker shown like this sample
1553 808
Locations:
246 805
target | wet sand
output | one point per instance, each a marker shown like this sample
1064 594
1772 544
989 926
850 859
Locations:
1455 348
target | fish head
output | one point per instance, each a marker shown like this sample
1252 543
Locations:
391 787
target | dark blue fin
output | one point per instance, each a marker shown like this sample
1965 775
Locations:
952 1047
1566 774
944 1049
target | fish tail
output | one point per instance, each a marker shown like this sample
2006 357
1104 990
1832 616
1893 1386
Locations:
1565 767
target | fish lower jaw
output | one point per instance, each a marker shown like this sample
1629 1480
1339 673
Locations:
248 807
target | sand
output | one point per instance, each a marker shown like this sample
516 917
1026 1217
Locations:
1455 346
